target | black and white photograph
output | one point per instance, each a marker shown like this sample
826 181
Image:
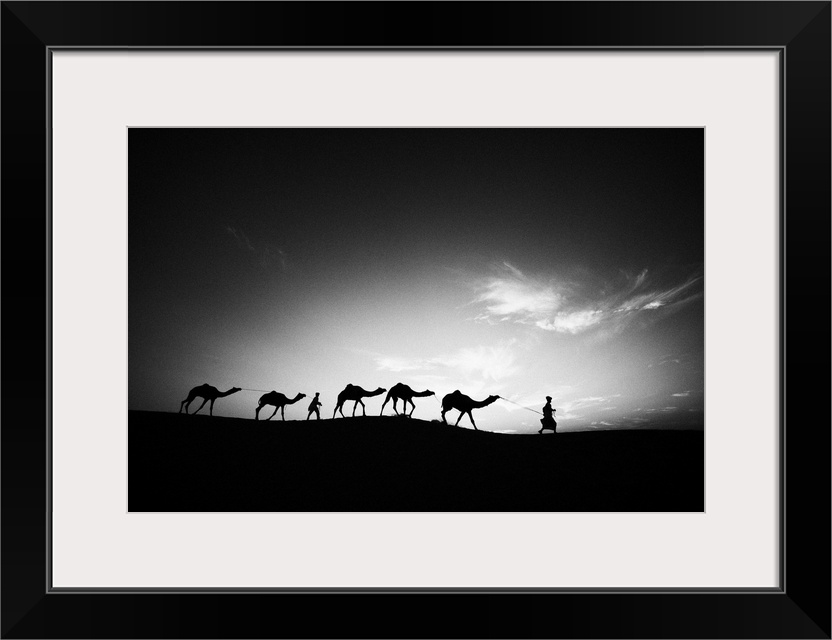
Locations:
416 319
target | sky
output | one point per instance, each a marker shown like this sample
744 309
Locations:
516 262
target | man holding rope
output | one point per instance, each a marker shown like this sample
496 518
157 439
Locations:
548 419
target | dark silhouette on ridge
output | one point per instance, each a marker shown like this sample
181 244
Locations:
464 404
313 406
278 401
400 391
352 392
548 419
207 392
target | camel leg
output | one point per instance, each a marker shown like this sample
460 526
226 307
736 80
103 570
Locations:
187 402
444 411
182 405
282 414
257 412
461 413
200 406
413 405
385 404
472 421
272 416
211 408
363 407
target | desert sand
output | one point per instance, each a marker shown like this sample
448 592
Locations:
178 462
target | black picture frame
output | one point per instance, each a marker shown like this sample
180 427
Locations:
799 608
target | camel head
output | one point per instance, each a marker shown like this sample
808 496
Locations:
234 390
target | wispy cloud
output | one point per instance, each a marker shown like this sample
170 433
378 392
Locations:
568 307
595 424
668 360
266 253
512 294
572 322
592 404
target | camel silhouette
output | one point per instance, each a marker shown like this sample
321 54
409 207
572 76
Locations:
207 392
278 401
352 392
402 392
463 404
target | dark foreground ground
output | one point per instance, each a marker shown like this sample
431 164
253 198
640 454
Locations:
199 463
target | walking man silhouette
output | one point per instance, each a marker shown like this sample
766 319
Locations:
548 419
313 407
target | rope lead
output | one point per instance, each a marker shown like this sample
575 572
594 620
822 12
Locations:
520 405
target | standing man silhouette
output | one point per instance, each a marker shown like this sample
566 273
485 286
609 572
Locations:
313 407
548 419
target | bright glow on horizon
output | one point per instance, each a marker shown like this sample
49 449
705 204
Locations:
610 387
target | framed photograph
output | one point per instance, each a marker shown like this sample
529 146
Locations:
486 312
